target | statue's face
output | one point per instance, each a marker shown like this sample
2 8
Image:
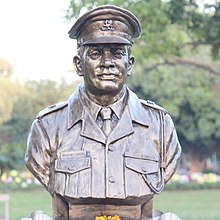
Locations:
105 67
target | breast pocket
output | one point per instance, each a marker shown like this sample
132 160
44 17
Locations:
148 168
72 165
73 176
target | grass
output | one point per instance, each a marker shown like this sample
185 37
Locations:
189 205
23 203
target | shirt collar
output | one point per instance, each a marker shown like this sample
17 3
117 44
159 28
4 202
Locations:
91 107
118 107
76 108
94 108
137 111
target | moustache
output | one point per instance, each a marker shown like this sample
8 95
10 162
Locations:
108 71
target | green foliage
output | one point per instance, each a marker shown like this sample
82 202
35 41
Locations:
191 97
11 156
200 19
158 39
18 109
9 93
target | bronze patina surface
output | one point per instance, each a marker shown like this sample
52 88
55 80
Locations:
104 151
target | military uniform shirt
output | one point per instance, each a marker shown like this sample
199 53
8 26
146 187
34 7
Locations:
70 155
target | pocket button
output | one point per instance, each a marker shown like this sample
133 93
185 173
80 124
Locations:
71 168
111 179
144 169
111 148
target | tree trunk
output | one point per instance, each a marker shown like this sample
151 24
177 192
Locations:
197 162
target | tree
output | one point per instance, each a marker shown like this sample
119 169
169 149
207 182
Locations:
9 91
36 96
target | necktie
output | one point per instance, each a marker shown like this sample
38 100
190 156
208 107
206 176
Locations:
106 117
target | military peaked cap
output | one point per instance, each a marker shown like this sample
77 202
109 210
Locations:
106 24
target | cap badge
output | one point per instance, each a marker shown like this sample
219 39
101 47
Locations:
107 26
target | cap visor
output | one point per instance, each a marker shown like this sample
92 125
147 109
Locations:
107 40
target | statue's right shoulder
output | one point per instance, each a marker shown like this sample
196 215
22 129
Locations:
51 108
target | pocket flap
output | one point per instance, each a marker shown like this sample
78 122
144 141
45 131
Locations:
72 165
142 166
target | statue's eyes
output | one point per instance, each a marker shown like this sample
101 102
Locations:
95 54
119 53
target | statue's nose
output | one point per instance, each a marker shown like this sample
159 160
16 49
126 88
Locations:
107 60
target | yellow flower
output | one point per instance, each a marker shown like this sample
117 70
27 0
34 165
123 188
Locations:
211 178
14 173
100 217
175 178
116 217
18 180
4 177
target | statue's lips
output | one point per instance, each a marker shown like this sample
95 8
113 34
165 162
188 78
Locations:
108 76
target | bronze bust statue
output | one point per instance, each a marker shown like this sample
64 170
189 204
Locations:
104 151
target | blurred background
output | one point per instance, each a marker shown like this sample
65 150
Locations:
177 66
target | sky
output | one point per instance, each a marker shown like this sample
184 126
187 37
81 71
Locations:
34 39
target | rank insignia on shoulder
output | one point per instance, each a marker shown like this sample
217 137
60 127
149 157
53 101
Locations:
51 108
153 105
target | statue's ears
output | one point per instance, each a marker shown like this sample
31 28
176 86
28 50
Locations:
130 65
77 65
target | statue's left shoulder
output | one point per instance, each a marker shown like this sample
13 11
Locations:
151 104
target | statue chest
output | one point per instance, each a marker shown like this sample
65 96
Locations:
85 167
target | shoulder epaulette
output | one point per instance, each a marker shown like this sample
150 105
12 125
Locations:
51 108
153 105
